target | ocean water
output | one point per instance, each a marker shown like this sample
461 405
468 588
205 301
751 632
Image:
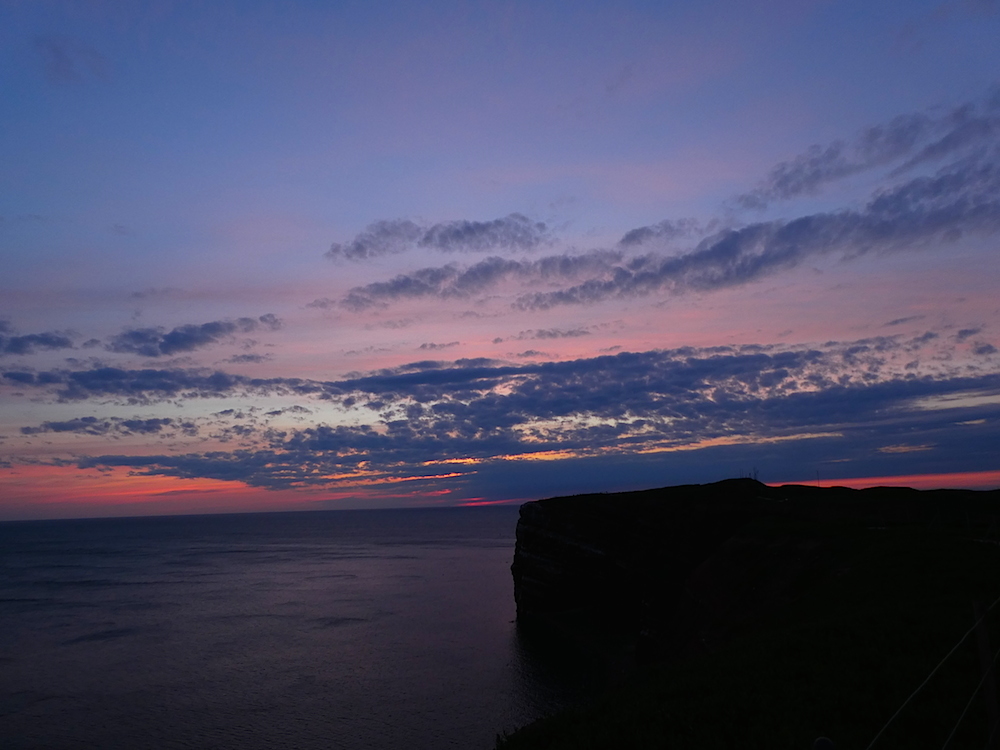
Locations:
342 629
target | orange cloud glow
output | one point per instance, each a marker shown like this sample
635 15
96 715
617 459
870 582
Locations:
973 480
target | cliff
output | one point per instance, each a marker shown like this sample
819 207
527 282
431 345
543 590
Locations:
658 574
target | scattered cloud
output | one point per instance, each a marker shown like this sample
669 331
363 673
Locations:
418 415
430 380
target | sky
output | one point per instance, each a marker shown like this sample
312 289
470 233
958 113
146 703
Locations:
309 255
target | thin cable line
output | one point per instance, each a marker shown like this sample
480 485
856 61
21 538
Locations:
933 672
989 741
971 698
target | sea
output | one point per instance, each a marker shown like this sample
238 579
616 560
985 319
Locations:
330 629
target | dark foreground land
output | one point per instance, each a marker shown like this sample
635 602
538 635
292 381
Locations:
737 615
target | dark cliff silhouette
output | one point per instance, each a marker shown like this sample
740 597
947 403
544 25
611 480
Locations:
675 580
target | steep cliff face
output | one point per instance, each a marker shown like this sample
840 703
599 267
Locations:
679 568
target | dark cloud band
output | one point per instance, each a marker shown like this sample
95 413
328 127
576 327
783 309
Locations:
112 426
452 282
32 342
155 342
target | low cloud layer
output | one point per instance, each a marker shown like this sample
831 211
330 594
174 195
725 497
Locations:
631 403
425 381
431 417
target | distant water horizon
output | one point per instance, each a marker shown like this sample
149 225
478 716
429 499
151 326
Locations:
303 629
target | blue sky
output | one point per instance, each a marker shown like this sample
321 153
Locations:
262 255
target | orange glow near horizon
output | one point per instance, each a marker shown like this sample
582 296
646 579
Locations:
478 502
973 480
38 492
66 491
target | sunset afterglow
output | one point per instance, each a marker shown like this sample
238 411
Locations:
326 256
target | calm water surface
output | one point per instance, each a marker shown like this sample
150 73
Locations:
345 629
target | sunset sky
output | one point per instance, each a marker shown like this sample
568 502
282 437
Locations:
262 255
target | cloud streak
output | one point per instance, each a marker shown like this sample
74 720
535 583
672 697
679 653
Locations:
513 232
112 426
155 342
453 282
907 141
32 342
663 231
961 199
